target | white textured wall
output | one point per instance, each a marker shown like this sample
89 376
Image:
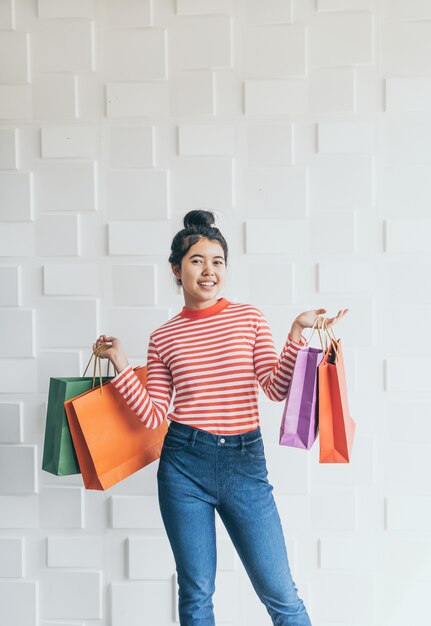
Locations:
307 118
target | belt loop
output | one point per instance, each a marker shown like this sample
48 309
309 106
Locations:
242 441
194 435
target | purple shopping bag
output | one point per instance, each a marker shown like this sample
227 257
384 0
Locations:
299 422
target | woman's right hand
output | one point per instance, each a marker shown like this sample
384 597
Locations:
112 347
113 350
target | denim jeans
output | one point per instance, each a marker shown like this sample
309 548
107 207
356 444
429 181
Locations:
200 472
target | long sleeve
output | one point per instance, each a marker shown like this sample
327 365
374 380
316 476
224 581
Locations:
274 372
149 402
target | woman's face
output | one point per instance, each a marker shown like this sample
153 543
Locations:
204 262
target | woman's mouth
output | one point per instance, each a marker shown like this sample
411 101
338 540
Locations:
207 285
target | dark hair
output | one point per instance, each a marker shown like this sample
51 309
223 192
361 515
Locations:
197 225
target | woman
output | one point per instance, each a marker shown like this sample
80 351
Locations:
214 353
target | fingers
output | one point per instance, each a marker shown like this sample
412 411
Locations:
331 321
104 339
104 342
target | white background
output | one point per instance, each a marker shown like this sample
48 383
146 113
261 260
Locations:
305 125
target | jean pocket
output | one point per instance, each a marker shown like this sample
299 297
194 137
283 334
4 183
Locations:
255 448
173 441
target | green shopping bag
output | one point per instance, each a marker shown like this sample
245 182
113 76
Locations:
59 456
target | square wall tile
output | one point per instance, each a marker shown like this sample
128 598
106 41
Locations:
19 603
16 196
11 422
131 100
18 469
12 557
17 337
69 142
134 285
15 102
211 49
14 56
61 507
63 186
71 595
10 285
131 146
66 46
17 240
58 235
134 54
206 139
9 148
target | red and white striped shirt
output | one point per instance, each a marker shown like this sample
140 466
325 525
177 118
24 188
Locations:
214 358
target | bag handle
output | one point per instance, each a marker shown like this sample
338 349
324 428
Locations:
97 359
329 328
313 328
333 339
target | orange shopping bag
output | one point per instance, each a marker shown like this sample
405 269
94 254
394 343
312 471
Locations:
110 441
336 426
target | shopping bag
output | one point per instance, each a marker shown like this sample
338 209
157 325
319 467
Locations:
111 442
299 424
336 426
59 455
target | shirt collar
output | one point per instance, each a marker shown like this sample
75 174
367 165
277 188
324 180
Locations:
194 314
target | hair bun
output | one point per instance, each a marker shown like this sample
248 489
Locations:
199 218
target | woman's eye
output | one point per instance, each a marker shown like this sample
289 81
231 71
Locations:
198 261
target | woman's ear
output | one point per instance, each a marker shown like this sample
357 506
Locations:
177 271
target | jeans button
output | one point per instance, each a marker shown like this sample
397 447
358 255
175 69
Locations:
222 440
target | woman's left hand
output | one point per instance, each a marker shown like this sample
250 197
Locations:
308 318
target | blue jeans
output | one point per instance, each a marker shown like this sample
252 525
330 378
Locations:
199 472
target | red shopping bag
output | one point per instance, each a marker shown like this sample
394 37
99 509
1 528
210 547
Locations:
336 426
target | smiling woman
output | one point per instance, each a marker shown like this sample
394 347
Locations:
215 353
198 259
